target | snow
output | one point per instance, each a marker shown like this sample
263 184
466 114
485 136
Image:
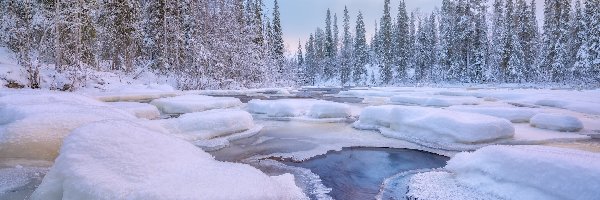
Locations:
209 124
33 124
124 160
301 109
194 103
330 110
437 125
515 115
558 122
140 110
433 101
518 172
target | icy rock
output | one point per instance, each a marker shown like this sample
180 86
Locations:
330 110
140 110
434 125
289 107
529 172
209 124
451 126
124 160
194 103
33 126
557 122
433 101
373 117
515 115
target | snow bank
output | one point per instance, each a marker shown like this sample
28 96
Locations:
194 103
330 110
435 125
32 125
525 172
284 108
557 122
515 115
140 110
433 101
123 160
209 124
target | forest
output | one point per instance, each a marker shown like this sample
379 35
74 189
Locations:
216 44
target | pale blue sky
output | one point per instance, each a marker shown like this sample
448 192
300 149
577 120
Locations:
302 17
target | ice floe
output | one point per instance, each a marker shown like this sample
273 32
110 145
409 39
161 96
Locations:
140 110
557 122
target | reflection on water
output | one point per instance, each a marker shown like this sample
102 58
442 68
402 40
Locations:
357 173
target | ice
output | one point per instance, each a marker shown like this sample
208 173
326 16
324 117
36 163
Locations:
515 115
194 103
140 110
330 110
33 125
209 124
558 122
519 172
433 101
436 125
124 160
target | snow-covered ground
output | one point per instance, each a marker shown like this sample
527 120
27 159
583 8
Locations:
150 141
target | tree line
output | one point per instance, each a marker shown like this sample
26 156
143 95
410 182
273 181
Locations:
464 41
200 43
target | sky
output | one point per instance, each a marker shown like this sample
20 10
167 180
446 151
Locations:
299 18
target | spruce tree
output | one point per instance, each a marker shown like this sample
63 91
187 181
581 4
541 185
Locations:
401 41
361 55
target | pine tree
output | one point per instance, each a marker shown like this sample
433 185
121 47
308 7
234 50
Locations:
480 41
554 55
361 55
401 41
328 69
346 52
386 44
278 47
336 33
576 38
588 56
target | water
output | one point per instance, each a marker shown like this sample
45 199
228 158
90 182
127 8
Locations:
357 173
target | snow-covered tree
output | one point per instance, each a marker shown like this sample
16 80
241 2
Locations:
361 51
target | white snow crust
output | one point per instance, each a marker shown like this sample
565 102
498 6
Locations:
124 160
194 103
517 172
140 110
557 122
209 124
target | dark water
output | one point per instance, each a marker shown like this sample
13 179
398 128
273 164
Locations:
357 173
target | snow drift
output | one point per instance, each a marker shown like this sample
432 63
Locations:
32 125
194 103
434 125
521 172
299 107
124 160
209 124
556 122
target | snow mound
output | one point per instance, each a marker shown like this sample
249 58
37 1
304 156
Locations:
123 160
574 105
436 125
515 115
140 110
433 101
33 125
209 124
557 122
522 172
330 110
300 109
194 103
